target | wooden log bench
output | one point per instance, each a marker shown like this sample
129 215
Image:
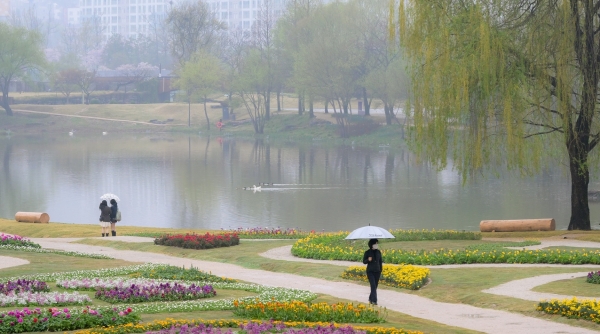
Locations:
32 217
517 225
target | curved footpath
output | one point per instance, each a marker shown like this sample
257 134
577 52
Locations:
458 315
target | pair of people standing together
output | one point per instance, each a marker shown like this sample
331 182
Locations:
372 258
108 217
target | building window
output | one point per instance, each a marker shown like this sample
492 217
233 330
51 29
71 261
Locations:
246 24
246 14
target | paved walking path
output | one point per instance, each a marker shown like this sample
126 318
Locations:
95 118
458 315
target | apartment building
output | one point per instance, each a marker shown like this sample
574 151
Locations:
125 17
241 14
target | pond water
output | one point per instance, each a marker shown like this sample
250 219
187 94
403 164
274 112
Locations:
196 182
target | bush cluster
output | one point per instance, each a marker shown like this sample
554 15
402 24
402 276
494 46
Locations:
593 277
197 241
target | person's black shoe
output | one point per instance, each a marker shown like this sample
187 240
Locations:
374 303
114 233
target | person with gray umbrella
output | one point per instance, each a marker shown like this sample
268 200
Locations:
372 258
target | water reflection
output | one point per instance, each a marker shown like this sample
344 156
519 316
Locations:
196 182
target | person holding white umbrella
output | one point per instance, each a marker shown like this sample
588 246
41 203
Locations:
374 261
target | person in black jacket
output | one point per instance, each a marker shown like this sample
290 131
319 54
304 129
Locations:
104 217
113 217
374 262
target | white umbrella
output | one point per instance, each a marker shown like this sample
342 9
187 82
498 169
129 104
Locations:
109 196
370 232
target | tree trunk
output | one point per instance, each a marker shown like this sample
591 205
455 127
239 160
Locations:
206 115
4 101
278 101
580 210
366 102
189 112
388 114
268 105
300 109
311 109
326 106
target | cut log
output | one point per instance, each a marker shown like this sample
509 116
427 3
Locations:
32 217
517 225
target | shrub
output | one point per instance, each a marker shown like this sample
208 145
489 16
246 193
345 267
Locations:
593 277
407 276
196 241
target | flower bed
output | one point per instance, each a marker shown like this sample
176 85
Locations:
573 308
18 241
178 273
264 293
301 311
407 276
233 323
266 327
22 285
269 233
109 283
55 251
197 241
54 319
154 292
593 277
333 247
44 299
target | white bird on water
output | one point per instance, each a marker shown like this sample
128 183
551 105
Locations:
104 133
71 132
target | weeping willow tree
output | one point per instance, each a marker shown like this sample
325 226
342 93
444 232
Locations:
505 83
